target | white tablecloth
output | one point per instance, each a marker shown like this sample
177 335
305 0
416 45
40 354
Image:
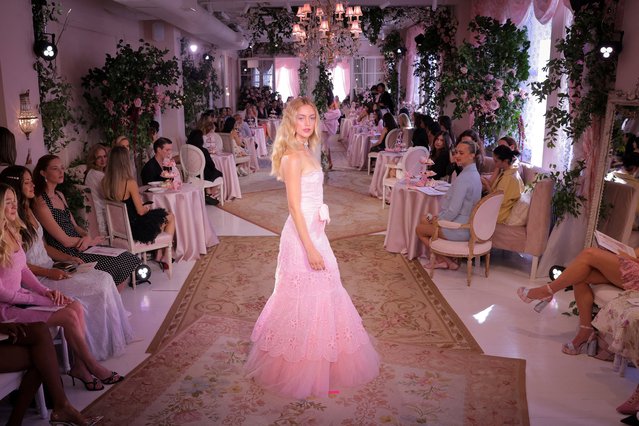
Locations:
225 163
384 158
407 207
260 139
249 144
193 230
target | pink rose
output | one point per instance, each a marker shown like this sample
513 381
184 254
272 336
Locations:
463 70
511 97
499 93
137 102
489 77
494 104
499 83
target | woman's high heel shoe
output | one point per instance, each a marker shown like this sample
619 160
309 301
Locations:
522 292
631 405
93 385
91 421
588 347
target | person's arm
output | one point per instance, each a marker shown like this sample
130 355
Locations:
134 193
291 168
46 219
51 273
58 255
457 194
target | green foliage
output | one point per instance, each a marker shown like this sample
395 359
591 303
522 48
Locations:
393 50
275 23
59 118
436 59
372 21
565 198
491 68
125 93
199 79
322 89
302 74
591 77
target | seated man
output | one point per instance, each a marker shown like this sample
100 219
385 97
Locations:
152 170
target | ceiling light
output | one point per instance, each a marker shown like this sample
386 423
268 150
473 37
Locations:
193 48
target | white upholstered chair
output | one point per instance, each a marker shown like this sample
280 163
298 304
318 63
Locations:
481 226
408 163
120 235
193 162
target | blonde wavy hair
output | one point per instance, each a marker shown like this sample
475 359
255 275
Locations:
404 121
285 138
5 226
118 171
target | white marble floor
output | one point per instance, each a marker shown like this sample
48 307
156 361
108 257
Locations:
561 389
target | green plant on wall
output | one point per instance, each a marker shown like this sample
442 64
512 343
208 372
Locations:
274 23
129 89
565 199
302 74
491 68
61 120
323 89
393 50
199 81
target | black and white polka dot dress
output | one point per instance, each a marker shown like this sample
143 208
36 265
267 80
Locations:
120 267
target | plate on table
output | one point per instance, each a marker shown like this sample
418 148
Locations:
156 183
156 189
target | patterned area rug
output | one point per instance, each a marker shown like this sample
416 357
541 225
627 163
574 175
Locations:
197 379
351 213
395 297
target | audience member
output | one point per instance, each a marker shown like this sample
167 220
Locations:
60 228
152 170
446 124
8 151
383 99
389 124
403 121
211 173
441 155
420 136
239 149
505 178
511 143
96 164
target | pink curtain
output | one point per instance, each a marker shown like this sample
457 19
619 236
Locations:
342 79
286 79
411 57
516 10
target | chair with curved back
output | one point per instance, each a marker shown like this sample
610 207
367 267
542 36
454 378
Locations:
193 162
481 225
408 163
391 138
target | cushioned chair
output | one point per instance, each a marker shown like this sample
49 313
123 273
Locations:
193 162
227 146
408 136
120 235
621 200
89 214
408 163
481 226
530 237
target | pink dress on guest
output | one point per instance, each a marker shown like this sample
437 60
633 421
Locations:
18 286
629 270
309 339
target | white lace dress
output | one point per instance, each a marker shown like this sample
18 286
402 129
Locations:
108 327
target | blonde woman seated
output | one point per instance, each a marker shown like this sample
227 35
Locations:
239 149
404 121
124 142
108 328
506 178
459 201
20 289
96 164
146 223
593 266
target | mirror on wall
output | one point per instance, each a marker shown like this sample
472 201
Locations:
616 187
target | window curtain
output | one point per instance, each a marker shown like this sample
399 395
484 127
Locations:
517 10
342 79
286 79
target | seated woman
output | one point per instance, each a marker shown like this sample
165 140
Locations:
108 327
506 178
593 266
441 155
30 348
458 203
510 142
146 223
124 142
20 289
96 164
389 124
446 124
403 121
420 137
239 149
196 138
60 228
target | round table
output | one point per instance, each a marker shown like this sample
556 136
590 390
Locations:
358 149
225 163
384 158
345 127
408 205
260 139
193 230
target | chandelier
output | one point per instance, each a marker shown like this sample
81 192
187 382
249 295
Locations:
327 30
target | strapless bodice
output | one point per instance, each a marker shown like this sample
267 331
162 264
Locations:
312 191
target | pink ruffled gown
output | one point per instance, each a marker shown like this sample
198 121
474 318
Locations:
309 339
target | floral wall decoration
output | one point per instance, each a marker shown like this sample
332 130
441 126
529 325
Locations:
129 89
490 69
436 51
61 121
393 50
323 91
199 80
275 23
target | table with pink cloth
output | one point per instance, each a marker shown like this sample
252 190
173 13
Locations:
271 126
249 144
406 208
260 139
358 149
345 128
193 230
384 158
225 162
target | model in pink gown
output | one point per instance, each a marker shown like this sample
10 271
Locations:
309 339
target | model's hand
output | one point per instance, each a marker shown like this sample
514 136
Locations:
315 259
14 330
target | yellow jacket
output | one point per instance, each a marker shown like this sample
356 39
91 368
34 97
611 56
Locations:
510 182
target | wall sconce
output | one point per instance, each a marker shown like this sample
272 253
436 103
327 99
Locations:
27 118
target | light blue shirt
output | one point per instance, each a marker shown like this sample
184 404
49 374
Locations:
459 201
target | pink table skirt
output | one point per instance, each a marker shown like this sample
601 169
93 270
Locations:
407 207
357 153
345 128
260 139
225 163
254 164
193 230
384 158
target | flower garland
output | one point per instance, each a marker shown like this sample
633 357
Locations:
129 89
393 50
323 89
492 67
302 74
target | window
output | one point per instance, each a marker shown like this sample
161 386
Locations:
367 72
256 73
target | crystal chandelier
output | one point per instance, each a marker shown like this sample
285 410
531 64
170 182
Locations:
327 30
